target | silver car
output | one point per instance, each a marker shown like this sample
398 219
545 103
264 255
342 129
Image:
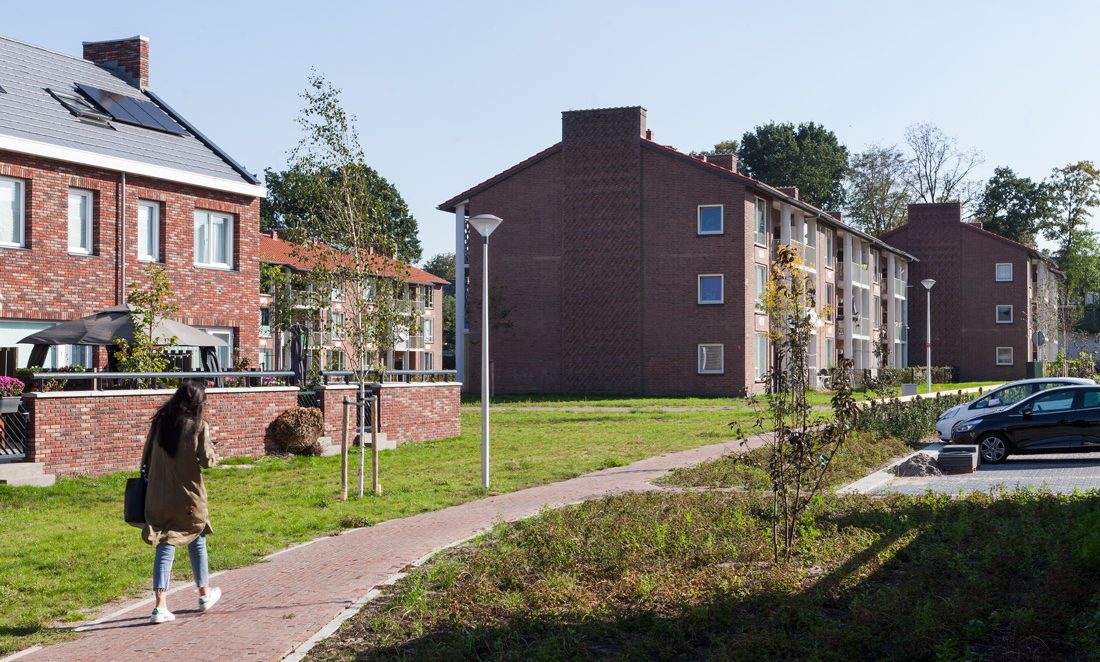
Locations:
998 399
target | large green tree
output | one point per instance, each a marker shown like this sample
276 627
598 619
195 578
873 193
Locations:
808 156
1074 192
875 189
291 197
1013 206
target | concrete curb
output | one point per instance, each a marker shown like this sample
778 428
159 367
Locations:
883 476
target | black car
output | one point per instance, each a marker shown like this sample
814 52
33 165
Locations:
1060 420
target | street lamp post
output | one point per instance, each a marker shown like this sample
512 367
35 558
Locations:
485 224
928 283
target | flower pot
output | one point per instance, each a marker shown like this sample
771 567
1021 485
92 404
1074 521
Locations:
10 405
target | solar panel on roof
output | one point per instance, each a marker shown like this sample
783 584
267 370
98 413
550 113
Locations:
130 110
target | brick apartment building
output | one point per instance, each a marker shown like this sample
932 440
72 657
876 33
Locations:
325 345
625 266
991 295
98 178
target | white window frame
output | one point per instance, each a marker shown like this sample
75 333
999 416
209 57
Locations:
700 357
207 219
20 219
1011 358
830 248
146 228
761 357
722 290
760 285
269 363
699 219
429 330
997 272
336 324
227 335
830 352
429 297
998 314
429 361
87 223
760 218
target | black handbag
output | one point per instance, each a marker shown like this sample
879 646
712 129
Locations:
133 503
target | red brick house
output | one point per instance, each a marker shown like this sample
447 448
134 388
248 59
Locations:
325 343
100 177
625 266
991 295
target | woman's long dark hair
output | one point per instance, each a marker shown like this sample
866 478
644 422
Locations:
185 406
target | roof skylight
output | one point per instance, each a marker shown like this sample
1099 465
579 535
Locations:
79 107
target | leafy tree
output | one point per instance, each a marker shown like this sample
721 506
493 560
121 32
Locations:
1074 190
1013 206
290 202
442 265
938 169
346 231
875 189
808 156
725 147
148 305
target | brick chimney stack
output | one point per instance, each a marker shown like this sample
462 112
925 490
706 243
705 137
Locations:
727 161
126 58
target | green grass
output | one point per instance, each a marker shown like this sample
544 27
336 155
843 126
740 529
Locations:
688 576
65 549
543 400
862 453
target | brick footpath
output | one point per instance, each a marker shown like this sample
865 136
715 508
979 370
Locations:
271 608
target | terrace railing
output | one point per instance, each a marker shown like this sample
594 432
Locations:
13 435
390 376
116 380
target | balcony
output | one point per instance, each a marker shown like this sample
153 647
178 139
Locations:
899 288
408 344
901 332
865 327
410 306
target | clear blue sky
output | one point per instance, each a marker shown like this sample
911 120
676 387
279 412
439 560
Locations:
449 93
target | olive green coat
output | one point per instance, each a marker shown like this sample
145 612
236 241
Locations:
175 501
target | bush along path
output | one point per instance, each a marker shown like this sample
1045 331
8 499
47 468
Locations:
270 609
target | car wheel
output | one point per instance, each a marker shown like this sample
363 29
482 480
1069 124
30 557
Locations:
993 448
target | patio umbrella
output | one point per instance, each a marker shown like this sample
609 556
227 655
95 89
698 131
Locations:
104 326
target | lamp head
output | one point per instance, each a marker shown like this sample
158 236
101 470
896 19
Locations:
485 224
928 283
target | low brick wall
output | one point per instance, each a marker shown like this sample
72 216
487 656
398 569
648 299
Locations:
410 412
97 432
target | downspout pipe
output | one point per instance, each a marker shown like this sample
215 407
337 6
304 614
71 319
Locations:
121 234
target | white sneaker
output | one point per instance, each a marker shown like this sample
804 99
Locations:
161 616
210 599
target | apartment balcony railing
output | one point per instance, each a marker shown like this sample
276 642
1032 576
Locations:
411 343
865 327
410 306
901 332
899 288
863 276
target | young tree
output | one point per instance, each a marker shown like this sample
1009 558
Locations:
148 305
875 189
1013 206
347 236
938 169
808 156
802 443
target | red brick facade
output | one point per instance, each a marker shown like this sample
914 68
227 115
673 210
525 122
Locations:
409 412
962 259
42 281
96 433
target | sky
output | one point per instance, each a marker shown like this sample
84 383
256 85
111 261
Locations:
447 94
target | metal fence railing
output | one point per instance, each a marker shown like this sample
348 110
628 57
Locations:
389 376
309 399
97 381
13 435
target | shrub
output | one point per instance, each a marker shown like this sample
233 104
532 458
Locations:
297 430
942 374
910 421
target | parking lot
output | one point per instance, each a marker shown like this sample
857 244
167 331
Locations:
1058 473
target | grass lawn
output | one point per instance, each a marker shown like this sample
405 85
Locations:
635 402
66 550
669 576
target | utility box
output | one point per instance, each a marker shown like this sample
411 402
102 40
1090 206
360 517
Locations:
958 459
908 389
1035 369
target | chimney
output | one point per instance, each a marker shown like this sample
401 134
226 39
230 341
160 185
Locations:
649 135
836 214
602 127
127 59
935 212
726 161
789 191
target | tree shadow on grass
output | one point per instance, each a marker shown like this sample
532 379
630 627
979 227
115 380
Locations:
917 579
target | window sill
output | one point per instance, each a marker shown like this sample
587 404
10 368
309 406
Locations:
1009 322
77 254
711 303
711 373
716 233
14 247
147 260
212 267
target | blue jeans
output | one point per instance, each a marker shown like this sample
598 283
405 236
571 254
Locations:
166 554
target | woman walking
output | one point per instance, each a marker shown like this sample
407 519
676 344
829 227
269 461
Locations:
177 447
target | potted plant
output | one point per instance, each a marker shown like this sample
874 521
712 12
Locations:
11 390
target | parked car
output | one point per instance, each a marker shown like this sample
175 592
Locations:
998 399
1058 420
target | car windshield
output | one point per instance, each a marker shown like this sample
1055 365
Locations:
1008 395
1056 401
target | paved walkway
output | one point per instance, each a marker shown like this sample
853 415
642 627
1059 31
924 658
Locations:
269 609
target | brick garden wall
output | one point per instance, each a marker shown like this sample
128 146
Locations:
409 412
90 433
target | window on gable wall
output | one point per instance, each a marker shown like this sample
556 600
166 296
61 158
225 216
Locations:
148 231
709 220
80 221
761 234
